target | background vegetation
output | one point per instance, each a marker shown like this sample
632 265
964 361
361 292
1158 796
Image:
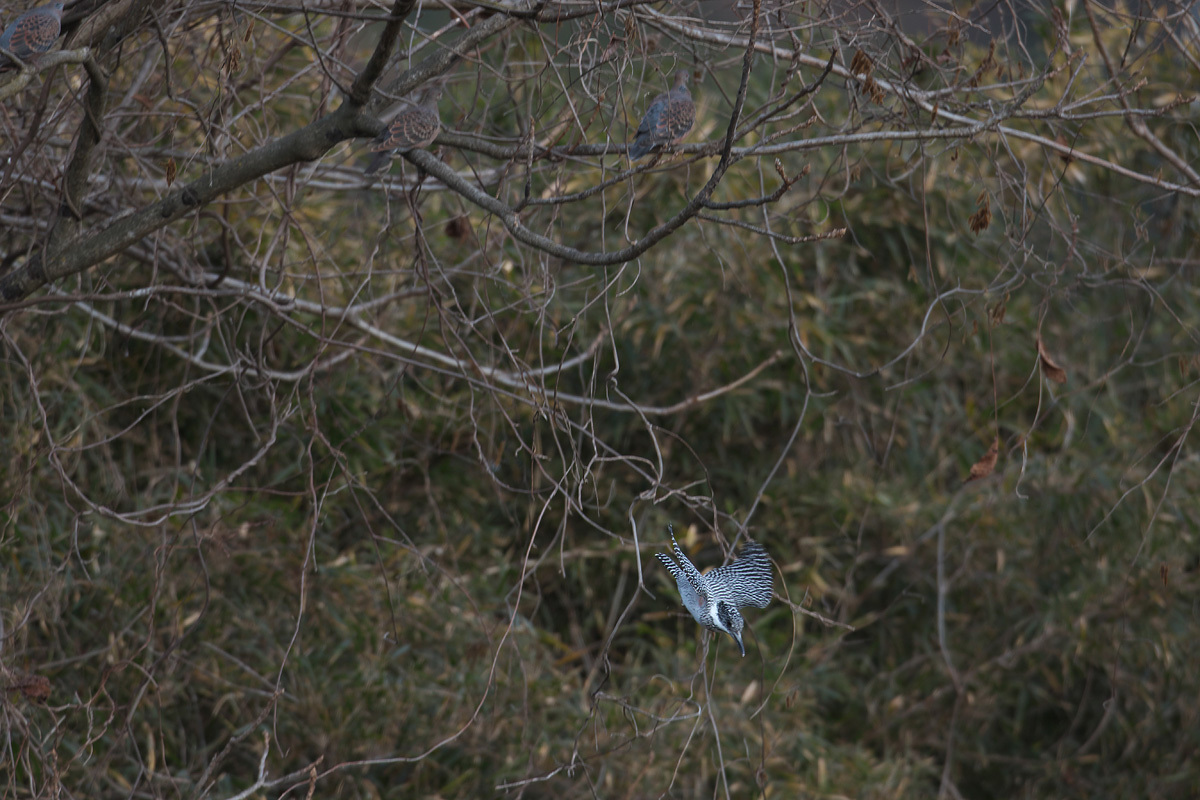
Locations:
318 487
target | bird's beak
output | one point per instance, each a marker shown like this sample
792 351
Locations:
741 646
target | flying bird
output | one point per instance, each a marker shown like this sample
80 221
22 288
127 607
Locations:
31 33
715 599
413 128
668 119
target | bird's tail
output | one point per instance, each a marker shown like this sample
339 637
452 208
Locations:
377 161
639 148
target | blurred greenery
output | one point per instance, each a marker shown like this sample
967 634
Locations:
421 570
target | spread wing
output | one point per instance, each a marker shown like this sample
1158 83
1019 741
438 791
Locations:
749 579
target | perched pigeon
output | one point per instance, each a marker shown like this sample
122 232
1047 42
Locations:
668 118
31 33
413 128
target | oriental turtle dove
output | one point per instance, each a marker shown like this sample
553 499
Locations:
668 118
413 128
31 33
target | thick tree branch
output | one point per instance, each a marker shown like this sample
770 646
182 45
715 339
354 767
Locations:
22 77
309 143
75 177
360 91
512 221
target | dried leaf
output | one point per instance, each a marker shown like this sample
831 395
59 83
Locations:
1050 368
999 311
459 228
981 219
875 91
861 64
171 171
984 466
1164 570
34 687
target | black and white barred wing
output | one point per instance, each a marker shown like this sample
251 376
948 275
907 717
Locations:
749 580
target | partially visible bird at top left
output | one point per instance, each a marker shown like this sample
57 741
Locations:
31 34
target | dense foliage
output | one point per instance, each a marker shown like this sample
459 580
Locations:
352 488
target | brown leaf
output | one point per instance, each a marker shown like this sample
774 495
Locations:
34 687
170 170
877 95
861 64
984 466
998 312
981 219
459 228
1050 368
1164 571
